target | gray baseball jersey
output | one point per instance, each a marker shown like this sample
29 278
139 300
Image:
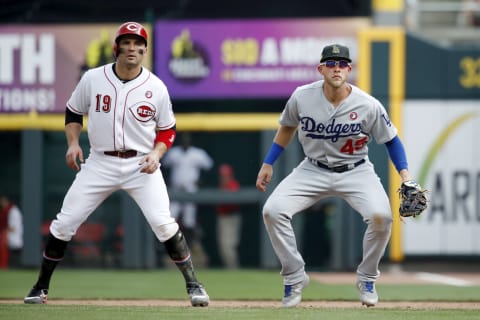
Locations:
333 136
336 135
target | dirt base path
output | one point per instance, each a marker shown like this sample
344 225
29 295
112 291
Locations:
267 304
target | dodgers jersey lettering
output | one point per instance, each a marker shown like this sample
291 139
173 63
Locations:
122 116
336 135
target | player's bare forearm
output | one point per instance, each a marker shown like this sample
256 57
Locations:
284 135
160 150
72 132
74 151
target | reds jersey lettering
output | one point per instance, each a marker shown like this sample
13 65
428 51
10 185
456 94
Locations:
143 113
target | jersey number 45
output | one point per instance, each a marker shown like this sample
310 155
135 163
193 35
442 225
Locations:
352 145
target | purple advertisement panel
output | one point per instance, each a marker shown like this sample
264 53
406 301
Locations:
246 58
40 65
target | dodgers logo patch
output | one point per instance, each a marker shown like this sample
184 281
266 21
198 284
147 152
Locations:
387 120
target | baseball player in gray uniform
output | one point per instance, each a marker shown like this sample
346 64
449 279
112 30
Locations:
130 127
334 121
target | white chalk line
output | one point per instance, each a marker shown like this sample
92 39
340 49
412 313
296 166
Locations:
438 278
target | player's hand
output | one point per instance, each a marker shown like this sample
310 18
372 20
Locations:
264 177
74 152
150 163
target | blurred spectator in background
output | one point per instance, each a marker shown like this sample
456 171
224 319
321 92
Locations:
11 233
474 15
229 220
186 163
469 14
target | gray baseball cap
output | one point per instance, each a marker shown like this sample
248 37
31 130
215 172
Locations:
335 52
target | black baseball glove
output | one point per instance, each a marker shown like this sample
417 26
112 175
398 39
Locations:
413 199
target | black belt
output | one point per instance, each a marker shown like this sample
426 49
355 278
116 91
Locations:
122 154
338 169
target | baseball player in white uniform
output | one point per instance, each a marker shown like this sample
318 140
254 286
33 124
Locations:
186 163
130 127
334 121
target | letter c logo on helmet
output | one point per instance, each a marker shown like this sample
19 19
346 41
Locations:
133 28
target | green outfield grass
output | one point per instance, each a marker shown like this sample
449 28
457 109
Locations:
221 285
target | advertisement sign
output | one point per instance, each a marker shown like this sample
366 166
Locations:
445 160
246 58
40 65
464 67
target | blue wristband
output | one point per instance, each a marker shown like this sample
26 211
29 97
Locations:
396 151
273 153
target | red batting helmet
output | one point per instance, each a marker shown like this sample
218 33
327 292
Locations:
134 28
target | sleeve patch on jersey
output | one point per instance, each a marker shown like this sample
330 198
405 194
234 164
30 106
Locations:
387 120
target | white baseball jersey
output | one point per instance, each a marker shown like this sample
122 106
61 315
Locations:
15 225
122 116
336 135
186 166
